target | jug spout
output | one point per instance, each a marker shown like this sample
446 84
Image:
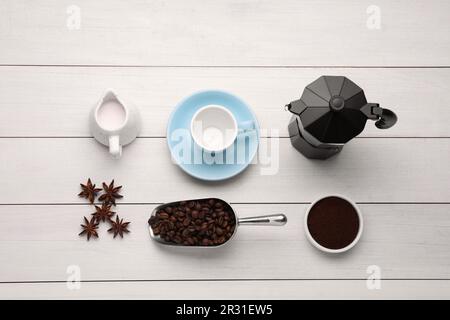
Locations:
385 118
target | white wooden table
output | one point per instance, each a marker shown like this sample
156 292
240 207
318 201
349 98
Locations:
154 53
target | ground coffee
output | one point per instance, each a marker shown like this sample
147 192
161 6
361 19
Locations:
333 223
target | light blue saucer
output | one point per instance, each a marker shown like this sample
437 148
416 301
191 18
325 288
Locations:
199 166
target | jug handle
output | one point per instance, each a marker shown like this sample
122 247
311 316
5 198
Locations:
385 118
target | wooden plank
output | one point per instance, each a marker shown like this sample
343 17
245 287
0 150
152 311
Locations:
367 170
327 289
196 32
38 243
58 100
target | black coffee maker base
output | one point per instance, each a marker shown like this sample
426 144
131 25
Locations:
307 149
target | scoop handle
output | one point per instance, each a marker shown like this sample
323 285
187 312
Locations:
269 220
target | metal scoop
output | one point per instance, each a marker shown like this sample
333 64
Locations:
268 220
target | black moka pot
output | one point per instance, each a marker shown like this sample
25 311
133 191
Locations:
331 111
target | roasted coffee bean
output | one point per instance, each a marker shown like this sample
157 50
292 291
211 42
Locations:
186 222
205 222
181 214
185 233
163 215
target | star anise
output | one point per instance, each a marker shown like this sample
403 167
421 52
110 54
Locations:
89 191
89 228
110 193
118 227
103 213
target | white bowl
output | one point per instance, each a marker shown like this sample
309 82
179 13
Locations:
328 250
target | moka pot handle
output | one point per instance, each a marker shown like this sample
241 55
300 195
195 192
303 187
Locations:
385 118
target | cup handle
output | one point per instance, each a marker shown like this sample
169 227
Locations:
114 147
246 126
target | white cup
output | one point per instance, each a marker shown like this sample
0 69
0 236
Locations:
114 123
214 128
328 250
